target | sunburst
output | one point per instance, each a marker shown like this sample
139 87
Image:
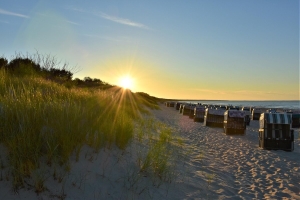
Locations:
126 82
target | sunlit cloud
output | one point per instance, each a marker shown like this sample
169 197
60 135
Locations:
75 9
5 12
119 20
107 38
70 22
47 15
123 21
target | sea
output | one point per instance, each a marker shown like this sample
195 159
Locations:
265 104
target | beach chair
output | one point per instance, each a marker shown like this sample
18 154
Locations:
214 118
275 131
188 109
247 111
181 107
234 122
223 107
256 112
199 113
171 104
233 108
296 119
177 105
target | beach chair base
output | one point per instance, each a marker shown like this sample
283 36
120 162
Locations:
196 119
214 124
295 125
256 116
234 131
276 143
185 112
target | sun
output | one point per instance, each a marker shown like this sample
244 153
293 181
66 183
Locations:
126 82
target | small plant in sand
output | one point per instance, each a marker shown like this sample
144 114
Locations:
39 179
1 168
161 145
209 178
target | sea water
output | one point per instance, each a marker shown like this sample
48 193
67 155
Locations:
265 104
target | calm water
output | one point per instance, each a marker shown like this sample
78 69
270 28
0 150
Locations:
266 104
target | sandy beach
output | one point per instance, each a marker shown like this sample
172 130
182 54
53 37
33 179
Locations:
240 169
211 165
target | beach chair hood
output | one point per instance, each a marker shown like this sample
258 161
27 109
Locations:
236 114
275 118
215 112
200 108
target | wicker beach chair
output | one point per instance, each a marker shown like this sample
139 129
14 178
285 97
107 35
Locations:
199 113
296 119
214 118
234 122
256 112
275 131
247 111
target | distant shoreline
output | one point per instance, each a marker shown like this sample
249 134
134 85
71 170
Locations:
276 104
223 100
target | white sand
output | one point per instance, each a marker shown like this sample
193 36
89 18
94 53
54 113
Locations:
216 166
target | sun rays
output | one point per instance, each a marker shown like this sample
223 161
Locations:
126 82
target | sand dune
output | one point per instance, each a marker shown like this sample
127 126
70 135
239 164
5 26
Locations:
213 166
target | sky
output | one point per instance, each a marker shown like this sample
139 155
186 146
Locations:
204 49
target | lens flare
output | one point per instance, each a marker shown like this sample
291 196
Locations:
126 82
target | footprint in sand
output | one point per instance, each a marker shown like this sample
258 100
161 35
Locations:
278 169
295 169
252 187
258 180
268 176
249 164
273 191
253 172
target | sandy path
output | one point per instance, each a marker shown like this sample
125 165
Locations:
229 167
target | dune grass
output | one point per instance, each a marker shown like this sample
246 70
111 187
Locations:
158 159
43 120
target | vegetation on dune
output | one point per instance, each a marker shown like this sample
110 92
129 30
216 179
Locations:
162 145
45 115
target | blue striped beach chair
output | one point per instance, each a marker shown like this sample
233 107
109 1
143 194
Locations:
275 131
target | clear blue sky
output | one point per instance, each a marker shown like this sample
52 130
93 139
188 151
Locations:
206 49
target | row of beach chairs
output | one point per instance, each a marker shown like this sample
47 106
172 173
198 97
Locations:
275 128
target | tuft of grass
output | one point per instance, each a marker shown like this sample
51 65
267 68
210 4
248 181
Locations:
39 179
162 146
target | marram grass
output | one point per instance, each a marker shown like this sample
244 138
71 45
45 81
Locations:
158 159
42 119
